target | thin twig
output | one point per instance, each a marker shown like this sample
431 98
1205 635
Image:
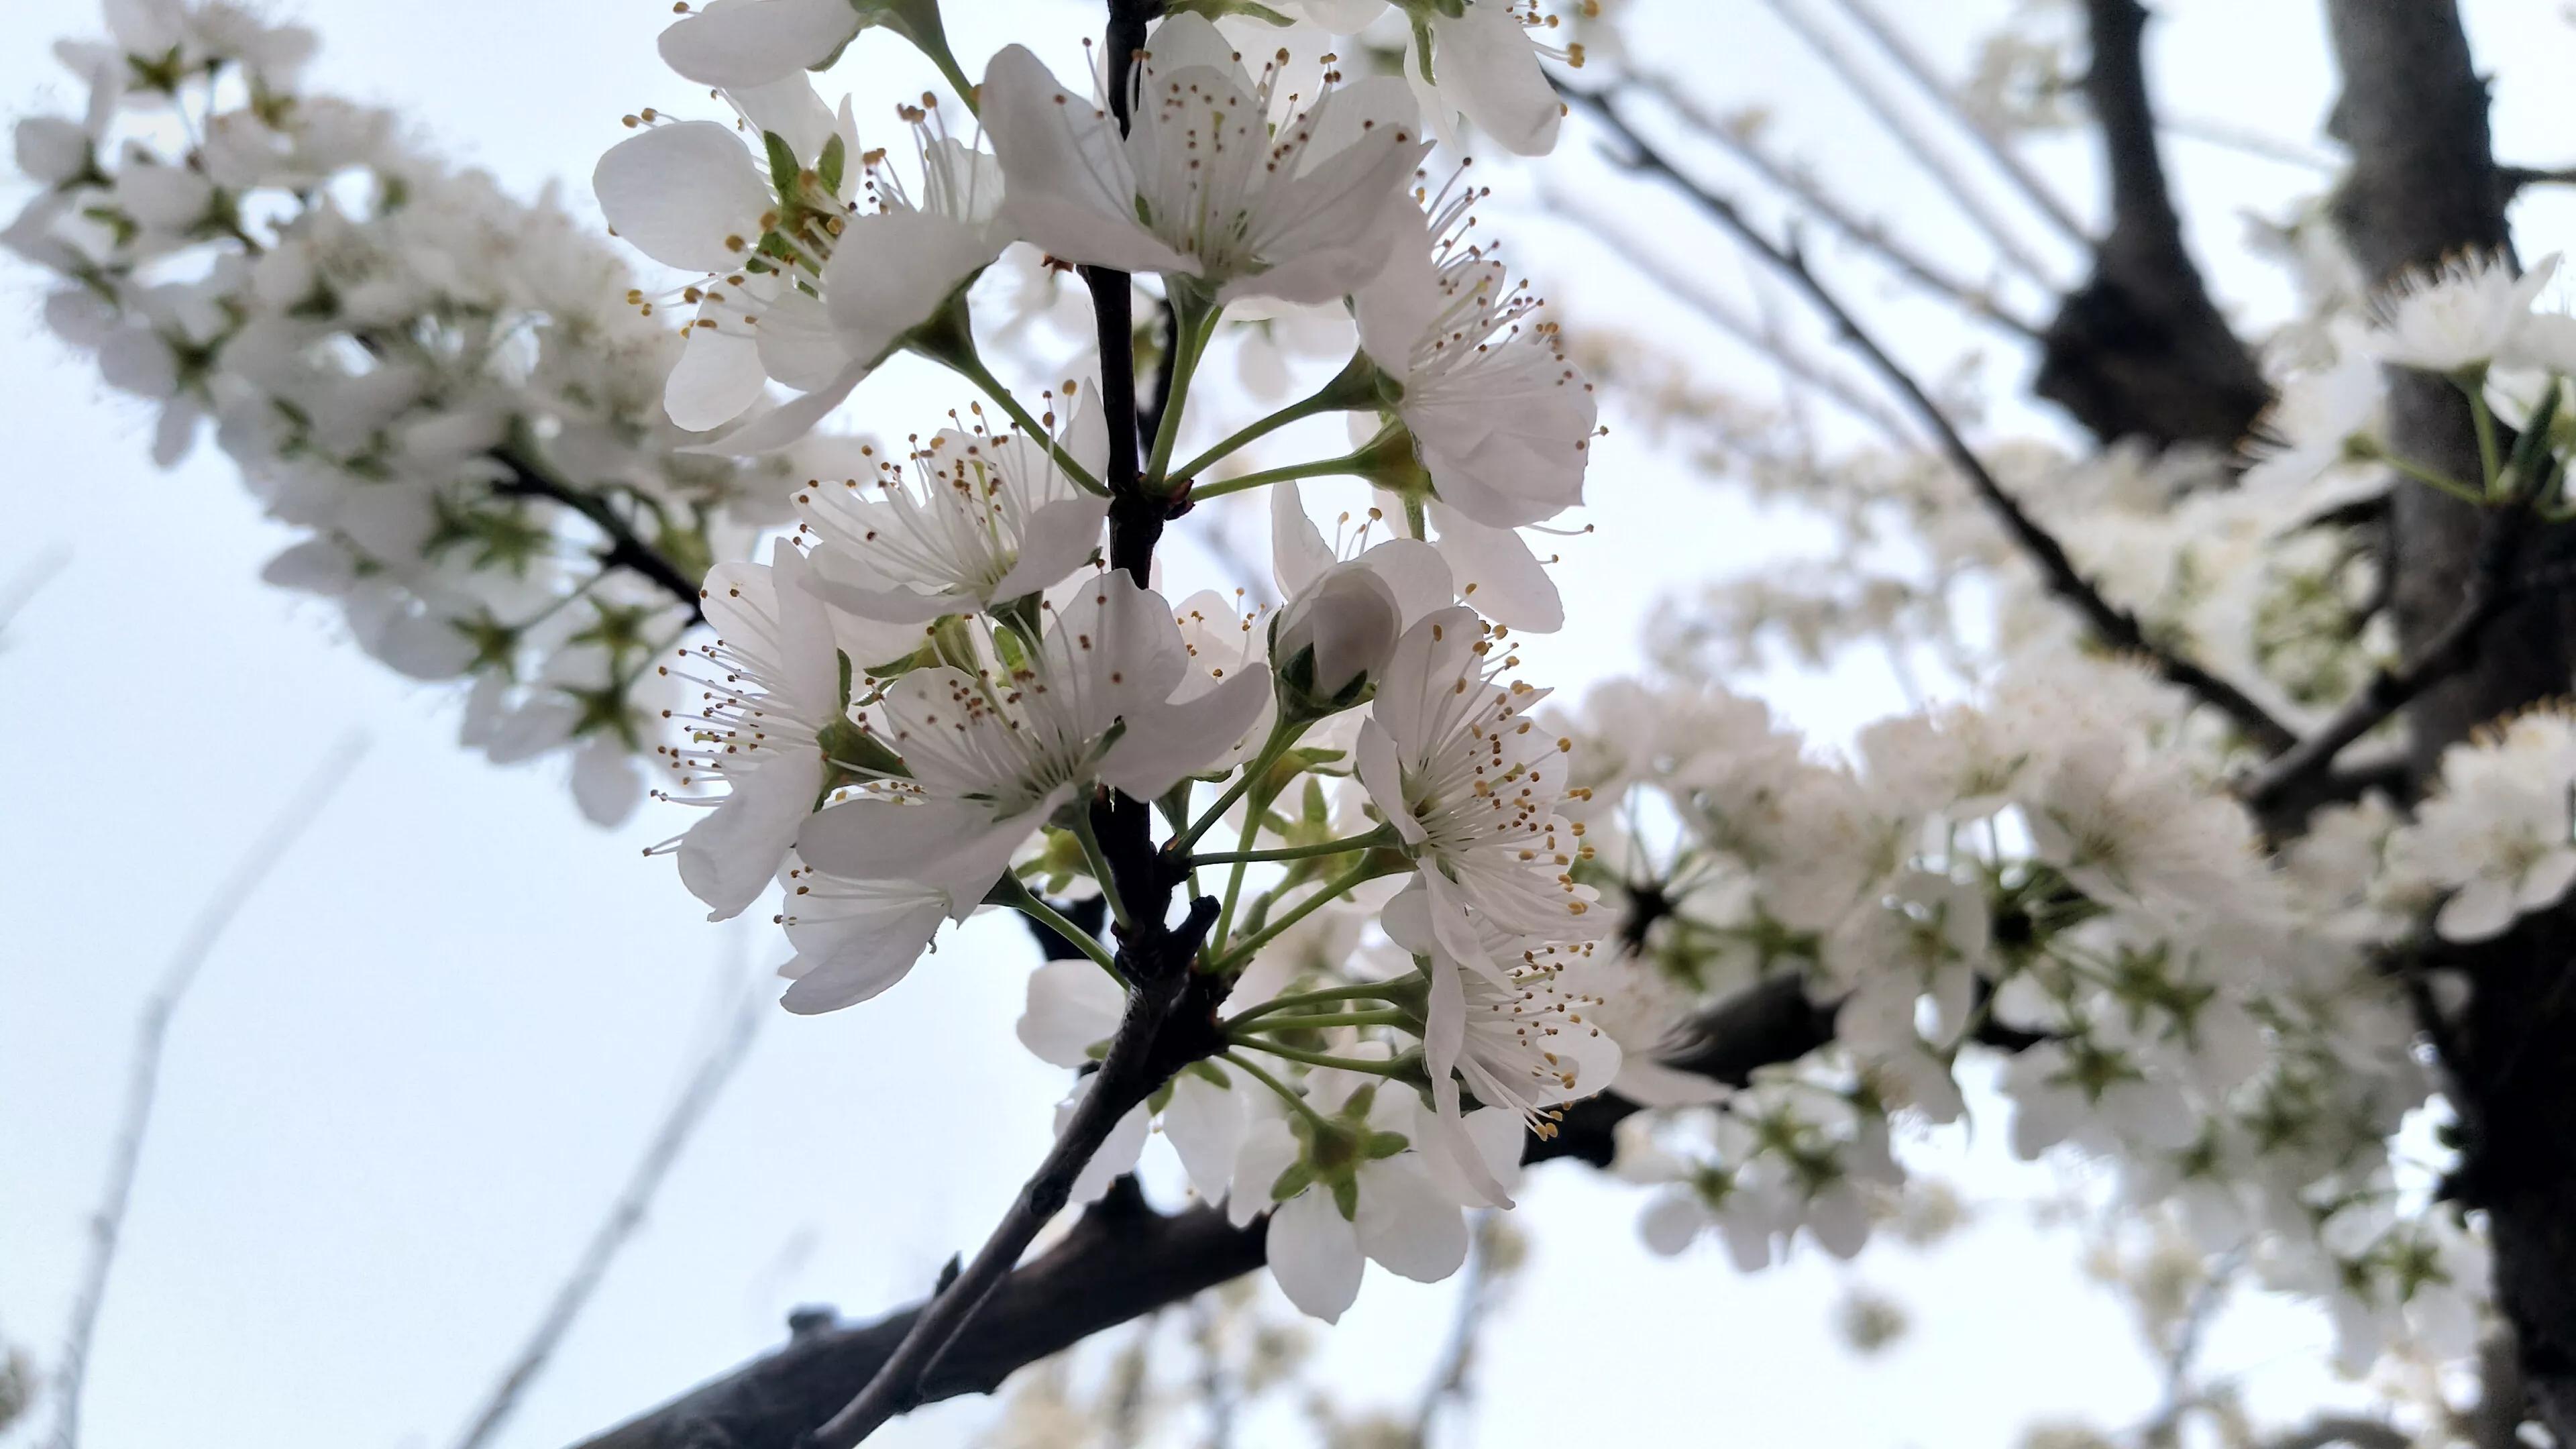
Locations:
2491 591
749 1004
2114 627
1132 1070
2247 142
143 1077
1466 1322
1976 300
1722 314
1943 168
1993 139
30 580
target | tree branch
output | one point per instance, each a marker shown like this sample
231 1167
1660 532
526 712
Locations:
1993 140
2492 589
152 1033
1908 135
749 1008
2140 349
1610 233
2114 627
1976 301
1122 1260
626 549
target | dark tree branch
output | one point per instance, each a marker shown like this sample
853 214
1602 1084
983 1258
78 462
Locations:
2454 647
1121 1260
2140 349
626 549
2115 628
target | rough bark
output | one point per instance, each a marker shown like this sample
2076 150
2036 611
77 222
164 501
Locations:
2140 350
2424 186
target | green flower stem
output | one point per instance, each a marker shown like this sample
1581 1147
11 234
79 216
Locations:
1288 1094
1368 869
971 367
1010 891
1099 863
1325 1059
1282 735
1415 520
2490 462
1348 843
1388 1017
1295 1000
1352 389
1193 325
1323 468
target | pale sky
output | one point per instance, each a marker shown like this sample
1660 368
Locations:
421 1062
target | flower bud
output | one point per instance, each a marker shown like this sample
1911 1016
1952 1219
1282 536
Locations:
1333 640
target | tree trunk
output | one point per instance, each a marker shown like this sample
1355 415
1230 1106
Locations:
2424 186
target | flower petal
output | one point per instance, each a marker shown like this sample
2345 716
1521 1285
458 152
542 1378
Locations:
686 194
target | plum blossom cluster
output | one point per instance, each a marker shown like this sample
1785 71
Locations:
943 688
2058 891
444 389
2048 894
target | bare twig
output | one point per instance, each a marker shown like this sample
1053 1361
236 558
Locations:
2247 142
1449 1381
2515 178
1978 301
143 1078
749 1007
30 579
2327 1430
1723 315
2113 626
1993 139
1942 167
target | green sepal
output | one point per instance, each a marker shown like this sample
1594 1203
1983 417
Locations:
1299 1177
1346 1196
1207 1070
828 167
1379 1146
783 167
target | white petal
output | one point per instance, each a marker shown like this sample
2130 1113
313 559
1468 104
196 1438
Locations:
867 944
2479 911
1671 1222
798 344
1315 1255
1205 1123
1497 573
1649 1083
718 375
1405 1224
787 423
954 845
1298 553
1383 774
1057 539
1073 1006
788 108
758 42
891 269
605 781
1488 68
1163 745
728 858
1069 187
679 192
1118 1151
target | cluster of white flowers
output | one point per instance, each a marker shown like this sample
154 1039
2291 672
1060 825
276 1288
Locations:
1438 909
2061 878
445 388
919 703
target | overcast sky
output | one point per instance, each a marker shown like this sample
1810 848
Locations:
422 1059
